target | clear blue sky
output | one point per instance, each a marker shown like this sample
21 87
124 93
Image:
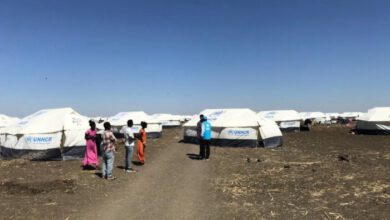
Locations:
102 57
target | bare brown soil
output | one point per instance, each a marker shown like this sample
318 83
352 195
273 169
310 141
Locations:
326 173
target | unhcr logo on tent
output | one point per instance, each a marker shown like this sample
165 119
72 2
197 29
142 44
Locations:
240 133
39 140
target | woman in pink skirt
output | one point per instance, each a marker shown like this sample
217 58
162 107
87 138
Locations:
91 154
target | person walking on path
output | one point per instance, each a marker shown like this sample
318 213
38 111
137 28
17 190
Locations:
198 133
141 144
108 152
91 155
205 139
129 145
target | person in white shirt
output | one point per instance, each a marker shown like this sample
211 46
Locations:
129 145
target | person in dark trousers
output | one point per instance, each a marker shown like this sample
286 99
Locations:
198 133
205 139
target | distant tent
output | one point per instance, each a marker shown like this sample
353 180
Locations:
49 134
351 115
332 117
287 120
153 130
375 121
7 120
317 117
168 120
236 127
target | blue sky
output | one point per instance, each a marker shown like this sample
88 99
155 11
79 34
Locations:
102 57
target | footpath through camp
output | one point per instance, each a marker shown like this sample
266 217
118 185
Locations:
325 173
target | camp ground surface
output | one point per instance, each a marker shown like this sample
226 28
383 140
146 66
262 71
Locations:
326 173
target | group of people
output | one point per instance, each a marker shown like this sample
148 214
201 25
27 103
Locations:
108 145
109 149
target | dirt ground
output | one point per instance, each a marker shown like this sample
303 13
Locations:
326 173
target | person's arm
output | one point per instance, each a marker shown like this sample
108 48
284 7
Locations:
113 139
202 130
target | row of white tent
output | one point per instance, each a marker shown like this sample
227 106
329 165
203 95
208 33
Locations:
59 133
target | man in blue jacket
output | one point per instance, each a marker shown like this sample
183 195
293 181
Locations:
205 139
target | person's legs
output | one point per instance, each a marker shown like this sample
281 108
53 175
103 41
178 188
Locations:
129 156
202 149
131 150
104 166
110 163
127 159
140 149
207 149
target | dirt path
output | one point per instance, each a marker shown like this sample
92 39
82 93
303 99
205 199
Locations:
169 186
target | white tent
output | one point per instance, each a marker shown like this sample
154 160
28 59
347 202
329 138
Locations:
351 115
332 117
317 117
46 135
287 120
236 127
7 120
117 122
375 121
168 120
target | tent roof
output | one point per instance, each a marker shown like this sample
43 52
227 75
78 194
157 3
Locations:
49 121
121 118
7 120
166 117
376 114
312 115
281 115
231 118
350 114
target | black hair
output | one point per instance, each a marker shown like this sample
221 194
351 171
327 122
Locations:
144 124
130 123
107 125
201 116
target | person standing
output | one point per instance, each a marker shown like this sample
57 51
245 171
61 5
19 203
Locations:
108 152
141 144
205 139
129 145
198 133
91 154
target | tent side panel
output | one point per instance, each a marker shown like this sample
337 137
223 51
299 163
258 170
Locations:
232 137
379 128
74 145
291 129
272 142
48 154
32 146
